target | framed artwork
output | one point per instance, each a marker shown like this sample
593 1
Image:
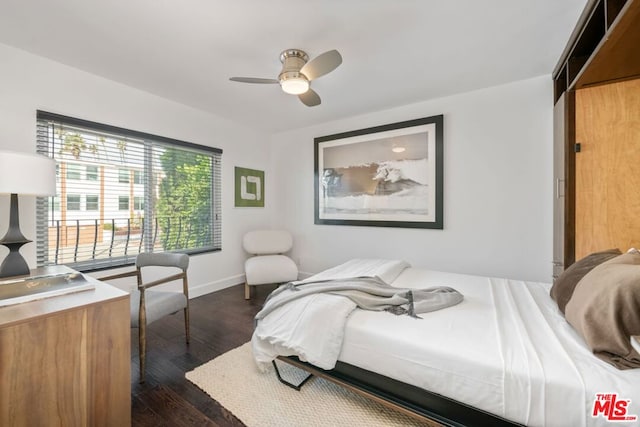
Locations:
249 187
385 176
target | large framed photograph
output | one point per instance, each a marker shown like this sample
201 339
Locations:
385 176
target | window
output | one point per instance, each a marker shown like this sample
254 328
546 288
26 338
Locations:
92 202
73 171
123 203
92 173
123 176
138 203
137 177
73 202
175 206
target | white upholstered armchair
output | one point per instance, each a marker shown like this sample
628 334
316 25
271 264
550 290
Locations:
268 265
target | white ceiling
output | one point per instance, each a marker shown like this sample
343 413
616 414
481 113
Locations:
394 52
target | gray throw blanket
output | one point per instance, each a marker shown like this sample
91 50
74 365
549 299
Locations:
368 293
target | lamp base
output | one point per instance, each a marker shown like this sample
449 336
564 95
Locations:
14 264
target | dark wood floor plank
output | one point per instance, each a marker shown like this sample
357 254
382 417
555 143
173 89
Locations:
174 409
220 321
143 415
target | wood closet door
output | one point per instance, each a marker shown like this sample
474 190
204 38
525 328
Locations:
608 167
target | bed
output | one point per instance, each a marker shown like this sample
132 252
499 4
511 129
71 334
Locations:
505 355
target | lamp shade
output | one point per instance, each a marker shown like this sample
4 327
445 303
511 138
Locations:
27 174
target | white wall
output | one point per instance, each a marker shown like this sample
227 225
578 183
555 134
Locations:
497 188
29 83
497 176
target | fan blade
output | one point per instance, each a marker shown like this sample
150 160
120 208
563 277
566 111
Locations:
253 80
310 98
322 64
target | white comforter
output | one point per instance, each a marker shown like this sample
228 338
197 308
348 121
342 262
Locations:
506 349
312 327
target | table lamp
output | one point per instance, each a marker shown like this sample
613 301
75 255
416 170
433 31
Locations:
26 174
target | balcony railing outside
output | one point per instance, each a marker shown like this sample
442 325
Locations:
86 240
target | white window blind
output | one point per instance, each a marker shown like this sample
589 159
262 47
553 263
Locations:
121 192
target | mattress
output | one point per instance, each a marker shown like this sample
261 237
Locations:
506 349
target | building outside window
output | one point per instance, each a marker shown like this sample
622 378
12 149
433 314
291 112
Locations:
138 203
91 173
141 193
123 176
74 171
138 177
73 202
92 202
123 203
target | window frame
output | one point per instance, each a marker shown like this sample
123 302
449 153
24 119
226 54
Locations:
44 146
79 202
122 200
75 169
97 203
138 177
138 203
124 176
91 176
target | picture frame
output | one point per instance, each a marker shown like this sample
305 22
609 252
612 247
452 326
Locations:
384 176
249 187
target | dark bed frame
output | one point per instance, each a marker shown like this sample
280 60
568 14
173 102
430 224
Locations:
406 398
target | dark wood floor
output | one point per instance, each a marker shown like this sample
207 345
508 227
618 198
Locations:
220 321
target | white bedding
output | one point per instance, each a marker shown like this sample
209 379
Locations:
505 349
312 327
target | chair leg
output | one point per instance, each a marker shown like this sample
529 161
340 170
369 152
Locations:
142 335
247 291
142 345
185 289
186 322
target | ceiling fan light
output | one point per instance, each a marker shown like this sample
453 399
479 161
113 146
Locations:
295 85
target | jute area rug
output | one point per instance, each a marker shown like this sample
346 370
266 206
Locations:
260 400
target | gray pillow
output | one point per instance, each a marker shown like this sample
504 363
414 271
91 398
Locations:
562 289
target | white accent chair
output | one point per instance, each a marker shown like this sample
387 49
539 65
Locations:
268 265
147 306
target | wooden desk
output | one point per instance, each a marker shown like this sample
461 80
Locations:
65 360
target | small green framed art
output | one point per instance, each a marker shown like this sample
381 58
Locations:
249 188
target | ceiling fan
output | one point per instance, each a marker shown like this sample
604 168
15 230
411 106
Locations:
297 74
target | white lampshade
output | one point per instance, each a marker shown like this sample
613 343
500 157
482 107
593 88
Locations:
295 85
27 174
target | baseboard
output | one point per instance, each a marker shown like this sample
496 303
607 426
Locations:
207 288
